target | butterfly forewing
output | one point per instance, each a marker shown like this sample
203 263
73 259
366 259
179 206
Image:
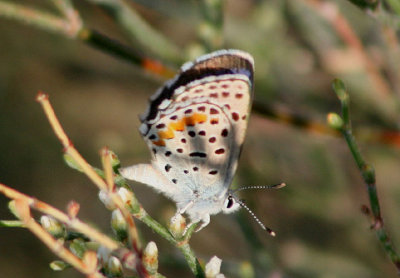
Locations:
197 133
195 127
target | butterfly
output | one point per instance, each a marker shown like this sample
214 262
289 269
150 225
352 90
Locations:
195 126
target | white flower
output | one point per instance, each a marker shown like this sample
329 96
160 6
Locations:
213 268
114 266
106 200
125 195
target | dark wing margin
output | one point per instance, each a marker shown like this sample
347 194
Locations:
214 64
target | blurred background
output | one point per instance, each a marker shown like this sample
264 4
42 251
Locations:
299 47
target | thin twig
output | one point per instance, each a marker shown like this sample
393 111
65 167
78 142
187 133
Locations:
342 27
72 16
43 99
64 6
132 231
57 247
285 116
379 10
392 56
343 124
140 31
11 223
100 41
34 17
134 207
72 27
93 176
395 5
73 223
181 244
366 4
210 30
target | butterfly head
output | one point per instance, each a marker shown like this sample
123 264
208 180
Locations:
231 204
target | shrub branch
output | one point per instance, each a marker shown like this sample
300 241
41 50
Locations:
343 124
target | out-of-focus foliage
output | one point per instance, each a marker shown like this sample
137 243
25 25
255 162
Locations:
299 48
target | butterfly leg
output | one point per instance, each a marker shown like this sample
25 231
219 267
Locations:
181 211
205 220
185 208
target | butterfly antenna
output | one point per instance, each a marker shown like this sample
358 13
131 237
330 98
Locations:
275 186
243 205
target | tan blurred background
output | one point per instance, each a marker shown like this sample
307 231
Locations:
321 231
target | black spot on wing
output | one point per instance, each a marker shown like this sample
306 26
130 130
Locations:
198 154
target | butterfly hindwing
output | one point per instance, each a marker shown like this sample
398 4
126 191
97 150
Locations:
195 126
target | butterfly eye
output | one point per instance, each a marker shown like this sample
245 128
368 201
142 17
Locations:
230 202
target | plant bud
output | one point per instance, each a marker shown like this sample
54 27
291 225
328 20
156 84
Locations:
118 224
150 257
114 267
213 268
177 226
106 200
54 227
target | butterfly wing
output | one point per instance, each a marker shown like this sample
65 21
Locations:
195 126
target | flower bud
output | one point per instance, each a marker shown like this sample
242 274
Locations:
103 254
114 267
213 268
78 247
118 224
177 226
73 209
129 199
54 227
115 162
150 257
126 195
335 121
106 200
58 265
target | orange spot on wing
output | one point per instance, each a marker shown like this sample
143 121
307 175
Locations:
167 134
160 142
195 119
178 126
190 121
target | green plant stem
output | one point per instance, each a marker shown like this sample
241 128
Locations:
34 17
136 209
379 11
64 6
48 22
210 30
119 50
367 172
140 31
365 4
191 260
12 224
155 226
395 5
183 245
102 42
72 29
